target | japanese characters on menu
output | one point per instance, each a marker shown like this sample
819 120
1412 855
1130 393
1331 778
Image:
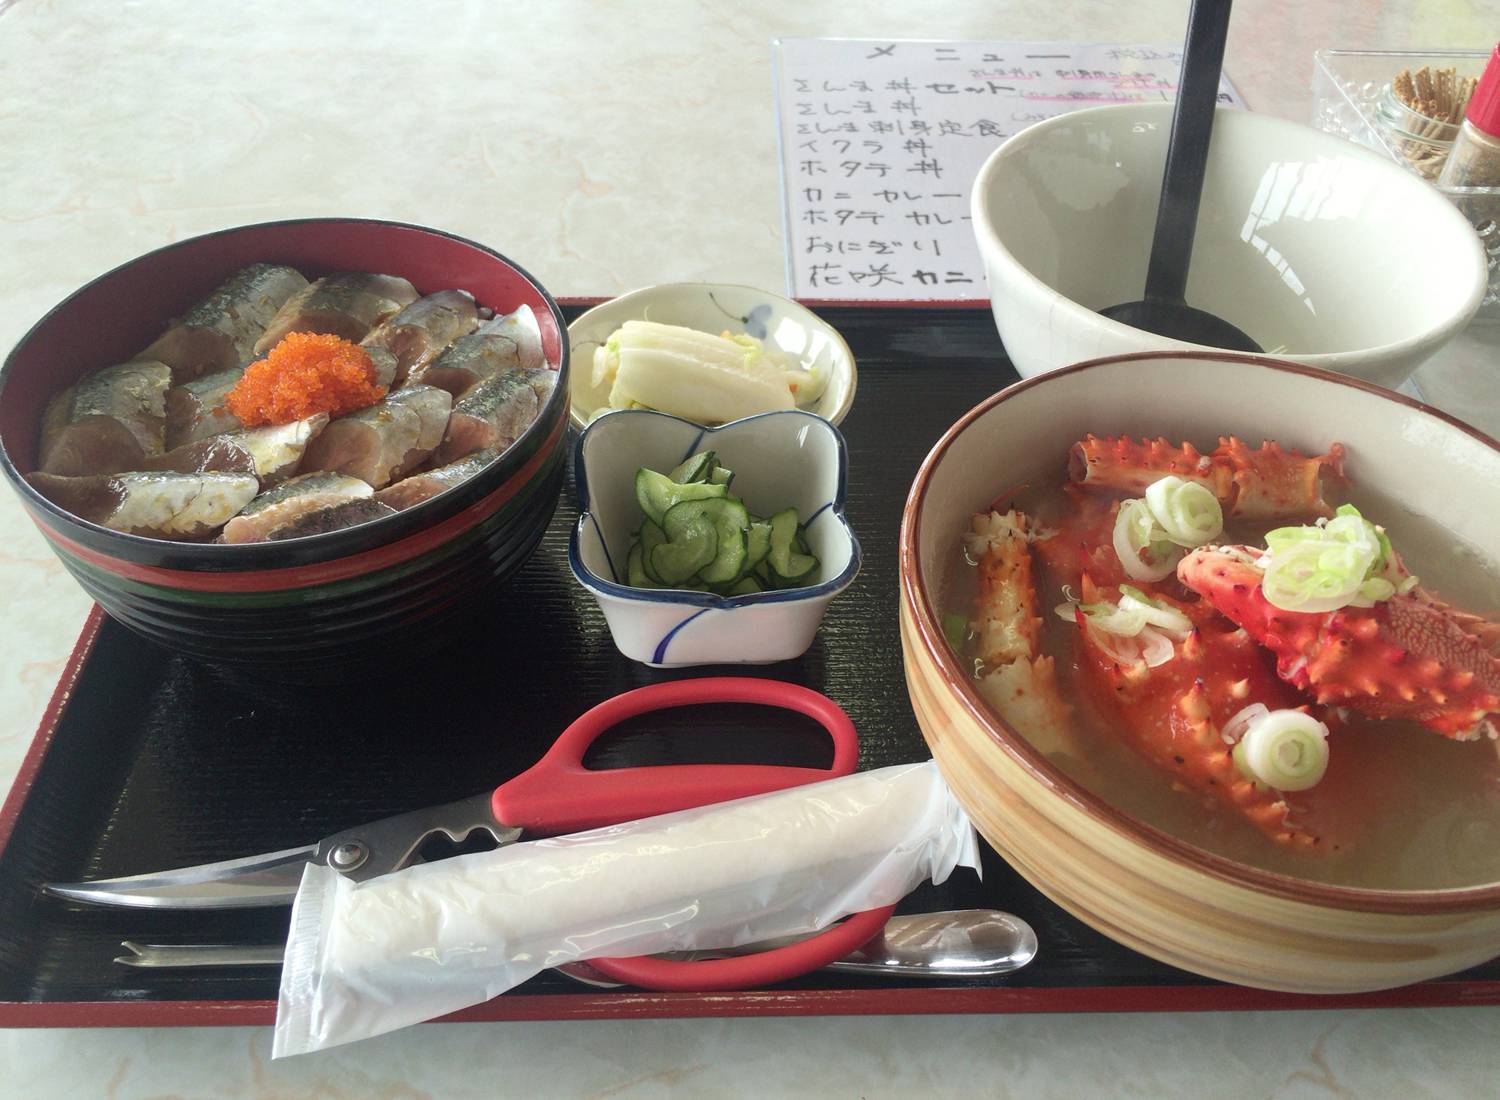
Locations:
881 141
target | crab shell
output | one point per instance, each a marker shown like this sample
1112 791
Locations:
1410 656
1268 482
1175 714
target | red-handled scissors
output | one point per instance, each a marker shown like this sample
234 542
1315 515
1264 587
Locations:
557 795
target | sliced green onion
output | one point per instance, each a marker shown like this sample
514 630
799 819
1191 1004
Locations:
1114 620
1148 646
1156 647
1286 750
955 629
1326 566
1235 728
1372 592
1144 550
1167 619
1188 512
1386 552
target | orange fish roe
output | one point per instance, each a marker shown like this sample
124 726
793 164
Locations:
305 374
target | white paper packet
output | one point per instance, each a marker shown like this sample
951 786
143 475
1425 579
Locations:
366 958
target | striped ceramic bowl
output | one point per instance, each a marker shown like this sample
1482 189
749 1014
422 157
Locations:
1147 888
313 604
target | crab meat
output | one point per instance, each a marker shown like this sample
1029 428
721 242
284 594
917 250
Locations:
1411 656
1007 623
1018 681
1175 714
1267 483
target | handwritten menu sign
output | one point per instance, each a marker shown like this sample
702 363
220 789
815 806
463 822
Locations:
881 141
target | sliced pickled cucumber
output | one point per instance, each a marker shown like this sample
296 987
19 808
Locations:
656 493
694 469
788 566
729 522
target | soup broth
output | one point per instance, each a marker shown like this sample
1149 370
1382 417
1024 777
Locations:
1421 811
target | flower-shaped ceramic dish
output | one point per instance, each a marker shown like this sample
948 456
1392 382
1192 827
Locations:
794 330
780 460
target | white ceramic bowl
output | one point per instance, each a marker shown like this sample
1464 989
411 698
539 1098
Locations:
1323 252
797 332
780 460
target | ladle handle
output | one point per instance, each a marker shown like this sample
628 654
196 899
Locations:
1187 150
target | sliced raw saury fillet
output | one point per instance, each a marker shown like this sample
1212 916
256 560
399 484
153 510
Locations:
220 332
156 505
196 410
386 367
419 333
1411 656
382 442
290 501
501 344
348 304
428 484
108 422
270 454
350 513
495 412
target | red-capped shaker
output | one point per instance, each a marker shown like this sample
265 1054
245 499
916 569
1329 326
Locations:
1474 161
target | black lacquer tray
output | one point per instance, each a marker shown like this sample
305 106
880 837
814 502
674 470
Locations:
147 760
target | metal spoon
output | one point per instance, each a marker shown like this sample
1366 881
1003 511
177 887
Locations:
958 943
1163 310
953 944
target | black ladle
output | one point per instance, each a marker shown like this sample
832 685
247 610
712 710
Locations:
1163 310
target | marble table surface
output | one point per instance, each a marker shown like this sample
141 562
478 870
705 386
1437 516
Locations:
605 147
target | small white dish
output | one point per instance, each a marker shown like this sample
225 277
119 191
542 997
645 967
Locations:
1326 253
781 459
793 329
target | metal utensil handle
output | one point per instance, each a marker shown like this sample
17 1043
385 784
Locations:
946 944
1187 150
173 956
560 795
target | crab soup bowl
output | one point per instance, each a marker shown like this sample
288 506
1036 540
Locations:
318 605
1323 252
1141 885
780 460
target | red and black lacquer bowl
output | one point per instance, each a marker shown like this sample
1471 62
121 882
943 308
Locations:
315 604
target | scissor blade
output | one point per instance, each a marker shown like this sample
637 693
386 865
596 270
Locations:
244 883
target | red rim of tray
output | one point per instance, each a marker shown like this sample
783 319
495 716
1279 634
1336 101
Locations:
632 1004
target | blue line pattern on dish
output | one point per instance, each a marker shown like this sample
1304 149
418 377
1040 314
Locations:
755 321
661 647
693 448
604 545
808 522
596 583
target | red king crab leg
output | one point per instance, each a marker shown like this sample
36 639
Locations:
1268 482
1410 656
1018 681
1175 714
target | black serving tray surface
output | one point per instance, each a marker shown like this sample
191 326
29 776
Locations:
148 760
